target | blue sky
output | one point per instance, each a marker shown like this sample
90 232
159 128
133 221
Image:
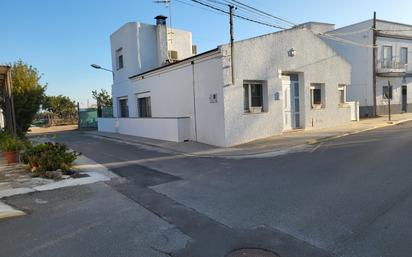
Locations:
62 38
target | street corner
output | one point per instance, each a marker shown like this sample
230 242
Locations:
8 212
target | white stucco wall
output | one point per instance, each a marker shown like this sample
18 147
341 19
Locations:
170 129
260 59
361 57
180 41
186 89
140 49
172 94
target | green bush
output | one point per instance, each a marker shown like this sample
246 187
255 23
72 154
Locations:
47 157
9 143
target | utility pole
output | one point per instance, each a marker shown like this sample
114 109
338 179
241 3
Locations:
375 51
231 10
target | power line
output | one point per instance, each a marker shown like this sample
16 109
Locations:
348 33
345 41
238 16
263 12
400 30
256 13
200 7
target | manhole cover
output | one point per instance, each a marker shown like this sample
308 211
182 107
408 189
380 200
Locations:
252 253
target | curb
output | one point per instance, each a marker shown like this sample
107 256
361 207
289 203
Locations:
388 124
96 172
270 153
6 211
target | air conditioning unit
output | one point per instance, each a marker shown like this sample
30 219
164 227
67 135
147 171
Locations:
194 49
173 56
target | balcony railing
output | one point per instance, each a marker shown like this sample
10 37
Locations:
391 66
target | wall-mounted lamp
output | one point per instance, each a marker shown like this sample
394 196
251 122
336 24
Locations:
292 52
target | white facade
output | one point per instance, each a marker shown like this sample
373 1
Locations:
356 48
283 81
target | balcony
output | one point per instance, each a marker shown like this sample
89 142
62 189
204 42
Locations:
391 68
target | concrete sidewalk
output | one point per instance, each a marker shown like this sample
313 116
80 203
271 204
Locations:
299 140
14 180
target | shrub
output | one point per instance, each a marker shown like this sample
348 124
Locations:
48 157
9 143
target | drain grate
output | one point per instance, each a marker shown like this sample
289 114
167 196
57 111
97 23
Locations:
252 253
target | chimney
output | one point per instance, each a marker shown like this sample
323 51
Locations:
161 34
160 20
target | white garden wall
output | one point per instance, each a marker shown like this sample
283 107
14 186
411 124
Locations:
170 129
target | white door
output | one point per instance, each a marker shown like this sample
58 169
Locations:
291 105
287 110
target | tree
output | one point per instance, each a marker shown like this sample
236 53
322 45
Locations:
60 105
103 98
28 94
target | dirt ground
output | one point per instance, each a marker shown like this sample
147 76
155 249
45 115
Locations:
54 129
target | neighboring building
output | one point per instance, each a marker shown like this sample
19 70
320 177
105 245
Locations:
393 64
283 81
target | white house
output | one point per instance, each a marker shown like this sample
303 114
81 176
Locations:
392 64
282 81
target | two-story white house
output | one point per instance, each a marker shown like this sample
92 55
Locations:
389 70
283 81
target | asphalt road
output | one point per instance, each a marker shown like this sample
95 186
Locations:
348 197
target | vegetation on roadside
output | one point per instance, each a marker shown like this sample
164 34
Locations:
49 160
57 110
9 143
60 105
28 94
102 97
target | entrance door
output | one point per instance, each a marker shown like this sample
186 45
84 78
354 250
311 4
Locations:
291 104
404 98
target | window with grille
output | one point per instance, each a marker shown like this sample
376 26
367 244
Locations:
387 92
252 96
144 106
317 95
123 108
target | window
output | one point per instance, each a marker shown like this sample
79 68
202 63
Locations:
387 56
404 55
119 59
317 95
342 94
252 97
123 108
387 92
144 107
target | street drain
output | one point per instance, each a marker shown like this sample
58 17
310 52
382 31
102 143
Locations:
252 253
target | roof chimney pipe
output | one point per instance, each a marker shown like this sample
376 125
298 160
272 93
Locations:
160 20
162 44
